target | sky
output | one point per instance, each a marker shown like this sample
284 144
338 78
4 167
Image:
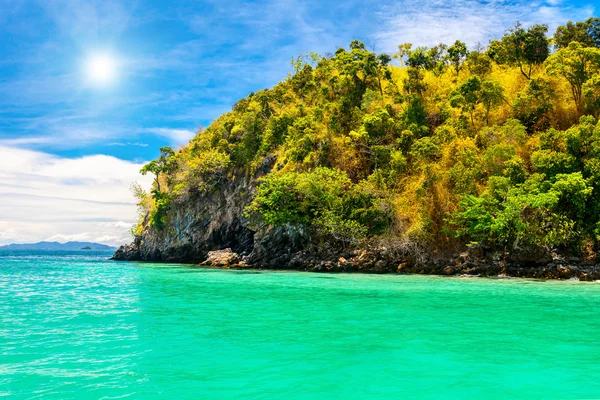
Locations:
74 133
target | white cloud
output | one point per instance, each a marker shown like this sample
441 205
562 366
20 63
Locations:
472 21
117 224
76 237
26 141
177 137
121 144
8 234
109 238
64 136
46 197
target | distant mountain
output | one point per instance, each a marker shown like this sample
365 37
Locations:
57 246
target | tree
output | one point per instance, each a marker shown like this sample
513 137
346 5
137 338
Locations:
537 212
418 62
587 33
476 91
576 64
467 96
533 105
492 95
591 93
325 199
457 53
166 163
359 66
383 60
479 63
403 52
522 48
298 63
437 58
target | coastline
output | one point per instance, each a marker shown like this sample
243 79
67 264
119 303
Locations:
467 264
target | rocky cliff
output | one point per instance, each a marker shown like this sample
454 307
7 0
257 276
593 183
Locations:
213 229
198 224
217 220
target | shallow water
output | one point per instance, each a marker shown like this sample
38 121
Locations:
77 325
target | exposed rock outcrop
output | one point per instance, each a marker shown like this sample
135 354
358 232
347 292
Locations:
129 252
213 221
213 229
222 258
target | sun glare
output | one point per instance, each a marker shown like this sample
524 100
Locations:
101 69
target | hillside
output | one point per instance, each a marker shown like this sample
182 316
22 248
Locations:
401 162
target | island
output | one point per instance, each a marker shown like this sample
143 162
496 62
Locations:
441 160
70 246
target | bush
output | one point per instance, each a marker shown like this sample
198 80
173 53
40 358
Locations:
536 212
323 198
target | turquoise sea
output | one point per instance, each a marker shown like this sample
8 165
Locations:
75 325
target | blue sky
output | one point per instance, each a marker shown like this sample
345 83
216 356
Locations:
69 149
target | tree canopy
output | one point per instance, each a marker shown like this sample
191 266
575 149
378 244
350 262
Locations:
443 144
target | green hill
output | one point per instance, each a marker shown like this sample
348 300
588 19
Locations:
427 150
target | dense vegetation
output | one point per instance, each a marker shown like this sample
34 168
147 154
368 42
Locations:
440 145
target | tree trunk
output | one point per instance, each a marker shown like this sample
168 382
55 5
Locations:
528 77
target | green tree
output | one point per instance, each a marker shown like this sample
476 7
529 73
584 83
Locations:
404 50
324 199
521 47
418 62
576 64
492 95
437 58
457 53
536 212
586 32
359 65
467 97
383 60
479 63
591 94
533 105
164 164
476 91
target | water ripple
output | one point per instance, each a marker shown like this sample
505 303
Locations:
80 326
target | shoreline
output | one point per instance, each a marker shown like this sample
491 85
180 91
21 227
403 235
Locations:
577 273
526 262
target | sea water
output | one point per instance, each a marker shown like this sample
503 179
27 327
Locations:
75 325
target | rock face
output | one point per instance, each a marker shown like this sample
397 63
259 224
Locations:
213 229
129 252
215 221
199 224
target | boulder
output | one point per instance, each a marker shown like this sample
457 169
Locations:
448 270
222 258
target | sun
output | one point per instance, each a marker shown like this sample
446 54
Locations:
101 69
